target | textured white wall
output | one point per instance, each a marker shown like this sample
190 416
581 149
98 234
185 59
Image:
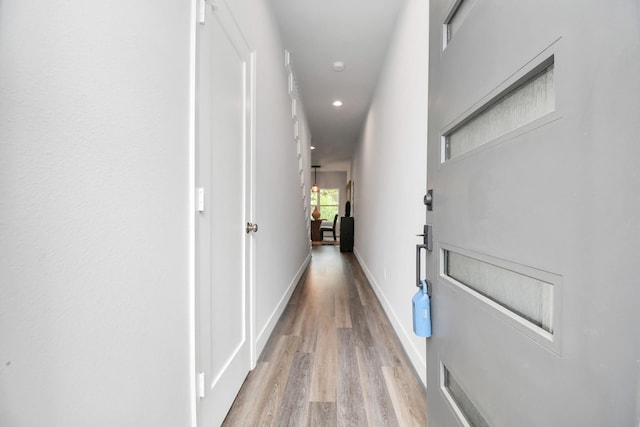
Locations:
389 176
93 213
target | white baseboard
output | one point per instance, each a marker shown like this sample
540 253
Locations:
418 361
265 333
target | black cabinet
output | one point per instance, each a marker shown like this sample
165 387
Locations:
346 234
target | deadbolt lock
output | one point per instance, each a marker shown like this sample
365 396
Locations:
428 200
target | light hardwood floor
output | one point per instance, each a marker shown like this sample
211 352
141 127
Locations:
333 358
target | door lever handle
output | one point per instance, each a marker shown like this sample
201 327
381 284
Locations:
420 283
419 248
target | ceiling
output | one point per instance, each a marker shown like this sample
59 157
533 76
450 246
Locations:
356 32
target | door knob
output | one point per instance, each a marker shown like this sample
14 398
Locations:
252 227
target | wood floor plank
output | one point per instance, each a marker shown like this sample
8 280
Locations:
293 411
348 388
359 323
268 401
384 338
323 383
377 403
303 310
322 414
328 296
360 282
295 296
244 402
309 321
343 314
409 398
287 320
283 327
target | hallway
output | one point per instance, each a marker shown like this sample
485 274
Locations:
333 358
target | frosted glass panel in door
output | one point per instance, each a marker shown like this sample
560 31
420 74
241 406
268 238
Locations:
525 296
522 104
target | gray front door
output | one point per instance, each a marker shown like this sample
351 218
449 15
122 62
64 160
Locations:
534 162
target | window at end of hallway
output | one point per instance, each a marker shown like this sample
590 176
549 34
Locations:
327 200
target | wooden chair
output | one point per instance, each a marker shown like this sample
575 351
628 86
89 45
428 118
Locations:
333 229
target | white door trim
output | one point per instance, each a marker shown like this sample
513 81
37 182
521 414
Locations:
251 212
191 204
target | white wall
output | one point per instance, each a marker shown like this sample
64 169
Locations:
282 242
94 307
389 176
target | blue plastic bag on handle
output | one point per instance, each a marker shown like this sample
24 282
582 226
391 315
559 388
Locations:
422 312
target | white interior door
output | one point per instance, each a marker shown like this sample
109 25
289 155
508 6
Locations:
534 164
224 121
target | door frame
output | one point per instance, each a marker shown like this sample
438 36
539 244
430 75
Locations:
192 200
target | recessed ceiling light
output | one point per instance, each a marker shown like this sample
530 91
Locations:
337 103
313 148
338 66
